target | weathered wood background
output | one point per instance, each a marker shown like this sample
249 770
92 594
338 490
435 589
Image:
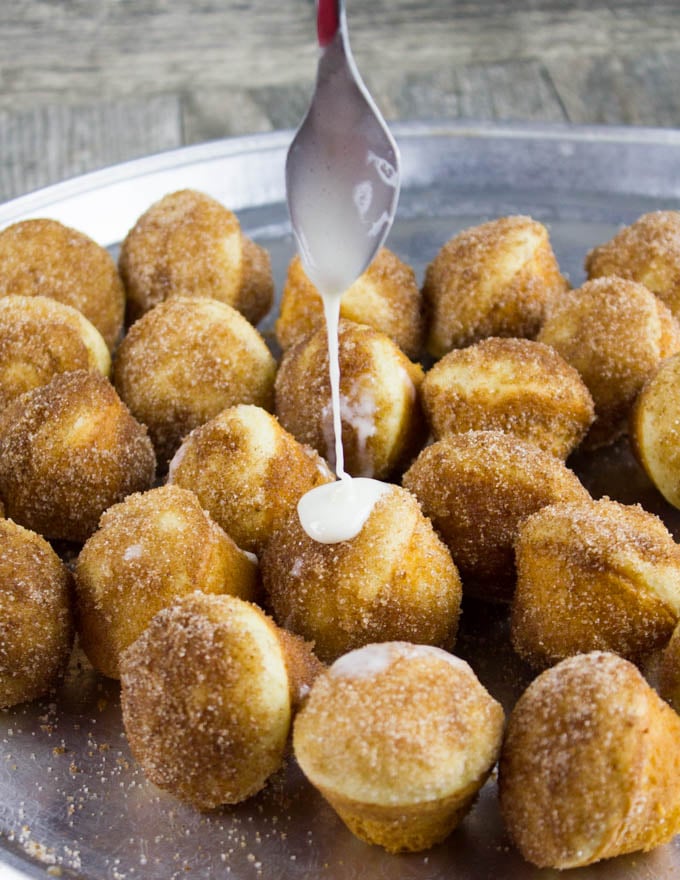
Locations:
84 83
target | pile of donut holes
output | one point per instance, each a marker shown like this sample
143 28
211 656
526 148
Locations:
154 445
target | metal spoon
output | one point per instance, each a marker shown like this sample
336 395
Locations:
342 169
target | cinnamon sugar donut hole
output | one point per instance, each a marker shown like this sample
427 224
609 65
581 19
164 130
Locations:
184 362
40 337
69 450
655 429
399 738
36 627
590 765
386 297
188 244
594 575
615 333
495 279
47 258
395 580
476 488
208 694
647 251
516 386
248 472
382 422
149 550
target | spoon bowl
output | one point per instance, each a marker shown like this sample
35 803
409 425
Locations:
342 169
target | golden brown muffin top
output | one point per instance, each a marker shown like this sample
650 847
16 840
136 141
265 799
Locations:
647 251
206 699
45 257
396 723
72 440
574 750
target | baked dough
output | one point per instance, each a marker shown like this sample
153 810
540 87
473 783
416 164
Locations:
476 488
399 738
590 766
47 258
36 621
188 244
647 251
669 670
495 279
248 472
184 362
40 337
594 575
394 580
149 550
69 450
386 297
615 333
208 693
517 386
655 429
382 422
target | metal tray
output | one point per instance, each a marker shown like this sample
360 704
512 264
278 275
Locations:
72 801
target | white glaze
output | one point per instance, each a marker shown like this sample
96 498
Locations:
331 310
365 662
359 414
134 551
374 659
337 511
342 199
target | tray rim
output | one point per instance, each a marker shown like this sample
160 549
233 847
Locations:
40 199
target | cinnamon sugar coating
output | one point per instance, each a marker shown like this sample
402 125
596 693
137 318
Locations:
386 297
394 580
47 258
248 472
382 422
36 626
148 550
399 738
69 450
188 244
615 333
184 362
495 279
647 251
594 575
40 337
208 693
516 386
654 429
590 766
476 488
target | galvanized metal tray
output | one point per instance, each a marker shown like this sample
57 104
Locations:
72 801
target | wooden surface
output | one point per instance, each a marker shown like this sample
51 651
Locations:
86 83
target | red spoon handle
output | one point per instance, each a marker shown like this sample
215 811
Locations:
327 20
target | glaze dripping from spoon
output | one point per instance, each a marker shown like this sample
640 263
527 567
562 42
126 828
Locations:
342 183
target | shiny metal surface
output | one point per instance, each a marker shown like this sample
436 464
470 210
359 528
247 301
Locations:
344 155
72 801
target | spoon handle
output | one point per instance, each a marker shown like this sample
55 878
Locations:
328 15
